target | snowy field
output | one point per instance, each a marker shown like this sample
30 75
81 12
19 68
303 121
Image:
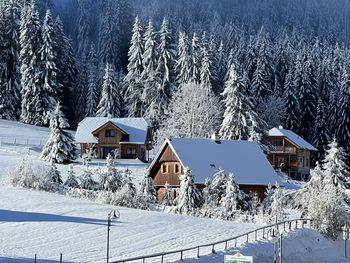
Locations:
49 224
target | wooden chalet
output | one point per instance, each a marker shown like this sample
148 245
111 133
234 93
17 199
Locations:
290 153
124 138
205 157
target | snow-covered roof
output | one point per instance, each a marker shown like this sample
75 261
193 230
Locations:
135 127
243 158
293 137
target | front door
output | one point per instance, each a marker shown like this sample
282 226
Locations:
106 151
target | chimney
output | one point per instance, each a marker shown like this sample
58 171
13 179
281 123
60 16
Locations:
280 127
215 137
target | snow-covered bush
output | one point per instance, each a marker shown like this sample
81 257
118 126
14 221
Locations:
39 177
167 199
110 179
147 188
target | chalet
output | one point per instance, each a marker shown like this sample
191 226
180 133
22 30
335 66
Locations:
290 153
125 138
204 157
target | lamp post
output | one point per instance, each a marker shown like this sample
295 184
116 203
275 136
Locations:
114 214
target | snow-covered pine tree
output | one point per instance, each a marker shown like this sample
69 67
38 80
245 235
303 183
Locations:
205 75
266 204
196 59
335 169
55 175
9 57
167 197
132 79
292 121
189 196
254 204
32 92
240 120
220 64
320 133
230 198
192 113
49 57
71 179
111 179
111 98
217 188
183 62
92 90
66 71
304 81
83 28
86 180
343 117
164 87
263 78
277 209
149 75
60 147
148 189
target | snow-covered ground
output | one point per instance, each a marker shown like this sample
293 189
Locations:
49 224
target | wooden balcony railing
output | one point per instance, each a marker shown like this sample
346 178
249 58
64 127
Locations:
284 149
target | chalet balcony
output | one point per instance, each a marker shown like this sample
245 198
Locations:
284 149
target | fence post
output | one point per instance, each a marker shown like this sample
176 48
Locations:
225 245
256 235
212 249
61 258
181 255
35 258
263 233
235 242
162 259
296 224
198 252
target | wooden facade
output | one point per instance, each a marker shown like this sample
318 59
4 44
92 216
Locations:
289 158
167 168
113 140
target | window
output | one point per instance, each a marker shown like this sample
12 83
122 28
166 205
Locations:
109 133
164 168
177 169
307 162
130 151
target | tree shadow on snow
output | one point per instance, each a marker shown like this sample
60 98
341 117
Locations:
29 260
18 216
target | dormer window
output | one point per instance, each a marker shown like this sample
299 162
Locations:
125 138
109 133
164 168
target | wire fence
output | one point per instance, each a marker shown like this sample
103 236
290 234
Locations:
198 251
13 141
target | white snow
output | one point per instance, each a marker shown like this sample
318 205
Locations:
135 127
293 137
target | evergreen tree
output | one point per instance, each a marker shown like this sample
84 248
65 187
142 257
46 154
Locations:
149 81
9 58
291 104
86 180
335 169
239 117
196 59
343 118
111 100
60 147
205 75
262 82
92 92
217 188
161 93
83 29
229 201
111 179
148 189
55 175
304 81
320 133
71 179
183 62
48 59
33 107
189 196
135 67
